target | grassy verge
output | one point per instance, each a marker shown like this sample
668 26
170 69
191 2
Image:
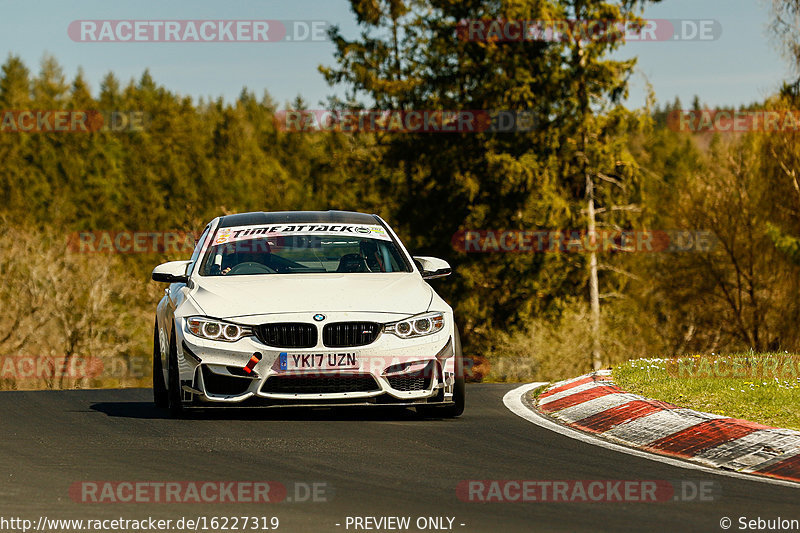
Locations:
763 388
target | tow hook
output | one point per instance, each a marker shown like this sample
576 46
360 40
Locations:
254 359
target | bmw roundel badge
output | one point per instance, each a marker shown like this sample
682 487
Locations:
319 317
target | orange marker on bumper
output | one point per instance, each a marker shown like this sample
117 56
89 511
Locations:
254 359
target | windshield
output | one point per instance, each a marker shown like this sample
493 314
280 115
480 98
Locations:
251 252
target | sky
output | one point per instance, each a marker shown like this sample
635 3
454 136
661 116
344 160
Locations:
742 66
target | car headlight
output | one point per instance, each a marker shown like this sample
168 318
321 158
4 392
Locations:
216 330
416 326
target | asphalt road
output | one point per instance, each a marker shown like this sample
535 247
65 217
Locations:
374 463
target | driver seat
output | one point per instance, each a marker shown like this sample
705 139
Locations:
250 251
352 263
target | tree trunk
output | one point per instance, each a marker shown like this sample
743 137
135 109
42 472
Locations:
594 285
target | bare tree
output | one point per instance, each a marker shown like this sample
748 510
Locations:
61 306
785 28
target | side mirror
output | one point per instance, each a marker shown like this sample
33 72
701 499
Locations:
432 267
172 272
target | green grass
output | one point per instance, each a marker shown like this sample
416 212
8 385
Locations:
762 388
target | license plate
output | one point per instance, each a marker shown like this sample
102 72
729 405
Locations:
317 361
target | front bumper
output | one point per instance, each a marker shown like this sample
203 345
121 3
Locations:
389 371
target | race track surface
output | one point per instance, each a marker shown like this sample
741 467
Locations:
374 463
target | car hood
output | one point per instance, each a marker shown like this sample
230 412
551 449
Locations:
236 296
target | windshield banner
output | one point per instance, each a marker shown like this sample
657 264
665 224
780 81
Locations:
241 233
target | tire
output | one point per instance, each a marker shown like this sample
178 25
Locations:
459 389
159 387
174 393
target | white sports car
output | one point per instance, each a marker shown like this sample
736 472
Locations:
305 308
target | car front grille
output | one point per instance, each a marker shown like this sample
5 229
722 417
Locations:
287 334
320 384
349 334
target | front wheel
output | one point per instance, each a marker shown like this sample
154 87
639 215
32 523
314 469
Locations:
159 388
174 393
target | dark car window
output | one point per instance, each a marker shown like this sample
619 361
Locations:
302 254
